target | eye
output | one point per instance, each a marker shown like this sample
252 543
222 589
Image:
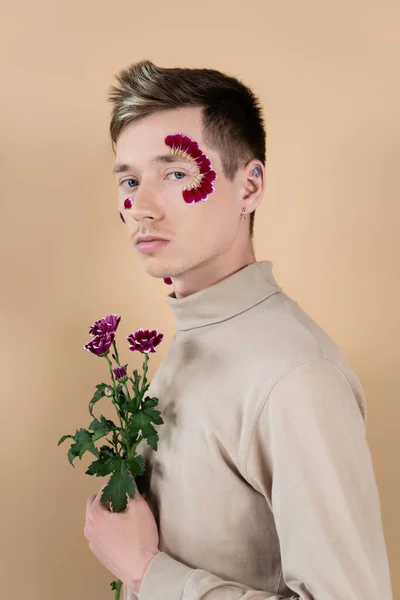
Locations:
179 174
129 182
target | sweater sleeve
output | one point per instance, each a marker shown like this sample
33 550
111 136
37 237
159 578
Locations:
310 437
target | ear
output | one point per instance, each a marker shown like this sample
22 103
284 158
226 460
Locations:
253 185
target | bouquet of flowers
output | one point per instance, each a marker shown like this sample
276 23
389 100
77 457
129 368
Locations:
136 414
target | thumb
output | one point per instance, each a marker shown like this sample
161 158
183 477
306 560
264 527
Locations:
89 502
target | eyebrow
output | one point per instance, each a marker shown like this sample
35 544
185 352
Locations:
161 158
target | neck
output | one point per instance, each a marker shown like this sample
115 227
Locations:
212 271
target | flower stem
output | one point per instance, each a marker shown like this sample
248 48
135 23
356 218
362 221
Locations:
117 591
116 352
144 380
131 451
113 401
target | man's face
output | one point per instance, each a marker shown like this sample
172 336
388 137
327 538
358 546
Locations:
200 234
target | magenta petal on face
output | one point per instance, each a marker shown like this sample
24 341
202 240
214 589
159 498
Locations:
203 164
210 176
205 167
188 196
196 152
168 280
204 193
177 140
122 217
191 148
206 186
128 203
198 195
185 144
169 140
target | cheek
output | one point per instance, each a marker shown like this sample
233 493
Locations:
124 203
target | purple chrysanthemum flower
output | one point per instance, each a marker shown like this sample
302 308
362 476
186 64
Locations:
100 344
144 340
107 325
120 373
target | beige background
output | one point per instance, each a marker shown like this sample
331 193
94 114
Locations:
328 76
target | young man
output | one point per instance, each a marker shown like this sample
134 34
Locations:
262 485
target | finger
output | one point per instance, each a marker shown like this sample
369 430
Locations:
99 504
89 502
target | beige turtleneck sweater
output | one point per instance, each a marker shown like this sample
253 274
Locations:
263 484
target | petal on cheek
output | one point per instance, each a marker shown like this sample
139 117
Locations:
198 195
188 196
210 176
122 217
128 203
207 186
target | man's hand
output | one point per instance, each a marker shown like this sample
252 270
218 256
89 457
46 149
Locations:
124 542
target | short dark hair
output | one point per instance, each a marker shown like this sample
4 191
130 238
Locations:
233 123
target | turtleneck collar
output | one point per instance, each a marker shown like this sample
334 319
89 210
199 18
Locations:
226 298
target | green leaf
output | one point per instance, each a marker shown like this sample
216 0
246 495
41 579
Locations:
106 464
73 452
82 435
132 437
101 428
150 402
152 440
142 421
64 437
119 486
107 452
84 443
88 446
98 395
136 382
120 398
148 409
115 438
131 406
136 465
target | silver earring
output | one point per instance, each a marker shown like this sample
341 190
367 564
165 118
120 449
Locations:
256 171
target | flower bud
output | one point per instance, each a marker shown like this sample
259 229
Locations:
120 373
108 392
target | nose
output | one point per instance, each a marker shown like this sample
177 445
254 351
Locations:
145 204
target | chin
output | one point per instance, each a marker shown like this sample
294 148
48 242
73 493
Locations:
158 270
161 269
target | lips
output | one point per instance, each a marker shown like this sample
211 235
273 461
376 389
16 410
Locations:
150 239
148 247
